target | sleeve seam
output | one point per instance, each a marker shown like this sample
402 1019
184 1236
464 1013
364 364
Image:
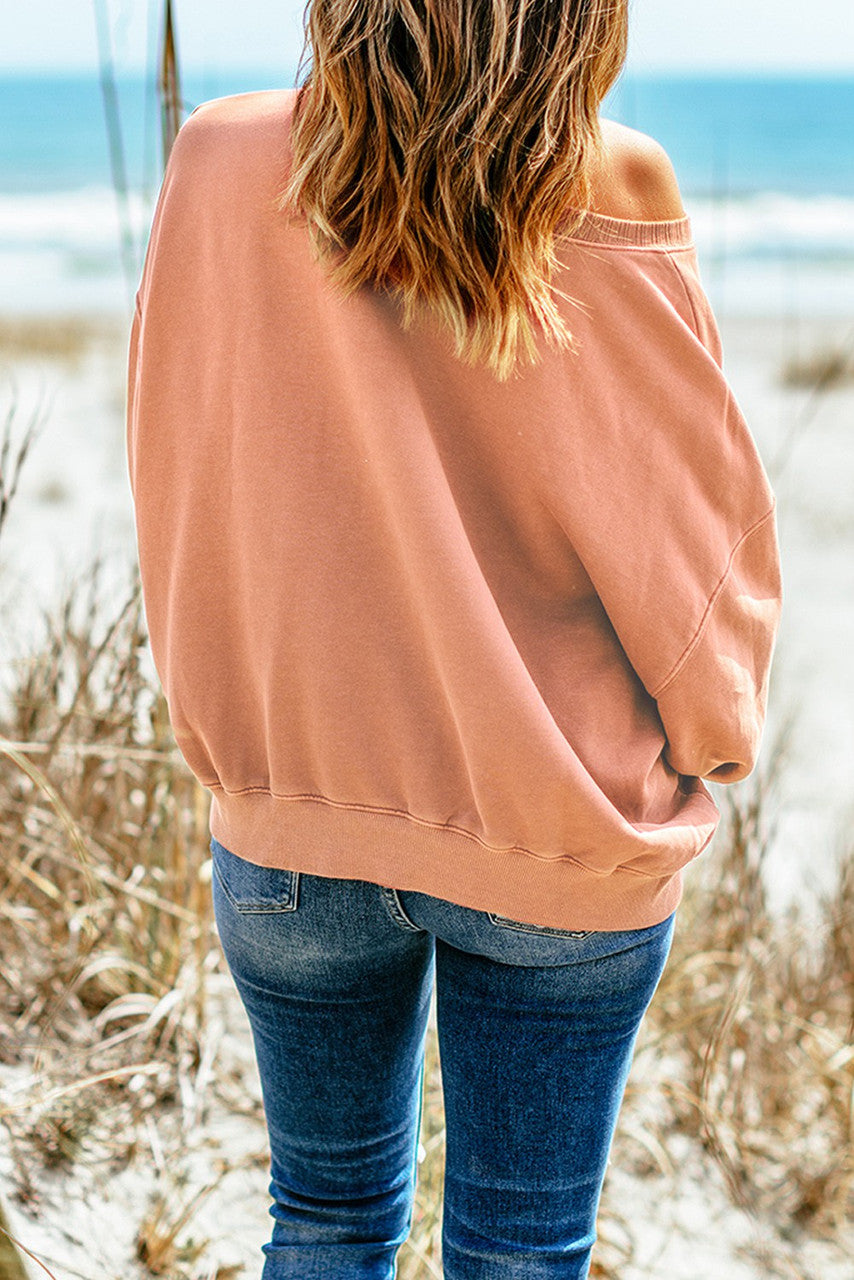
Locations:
695 319
695 639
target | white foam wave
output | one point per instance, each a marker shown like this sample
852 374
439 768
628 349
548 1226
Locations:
77 221
759 225
62 250
771 225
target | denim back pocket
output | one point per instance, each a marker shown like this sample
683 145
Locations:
251 888
546 931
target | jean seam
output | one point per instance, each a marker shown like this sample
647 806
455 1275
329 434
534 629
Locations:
421 1079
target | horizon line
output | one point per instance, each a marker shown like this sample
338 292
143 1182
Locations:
278 69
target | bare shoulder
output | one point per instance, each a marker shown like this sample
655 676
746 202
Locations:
636 177
232 135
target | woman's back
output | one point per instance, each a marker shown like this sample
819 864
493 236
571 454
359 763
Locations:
462 635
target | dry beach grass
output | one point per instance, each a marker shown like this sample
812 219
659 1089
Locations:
65 338
109 953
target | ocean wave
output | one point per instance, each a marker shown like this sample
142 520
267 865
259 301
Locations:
62 251
763 225
772 225
76 221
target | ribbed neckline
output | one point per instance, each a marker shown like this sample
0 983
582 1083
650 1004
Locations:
600 228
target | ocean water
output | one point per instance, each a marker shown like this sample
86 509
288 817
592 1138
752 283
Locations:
766 167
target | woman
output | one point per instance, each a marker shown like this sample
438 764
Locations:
461 574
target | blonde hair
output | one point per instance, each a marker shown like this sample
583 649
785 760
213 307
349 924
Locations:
439 144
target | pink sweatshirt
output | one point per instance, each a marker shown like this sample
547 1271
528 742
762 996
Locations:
419 627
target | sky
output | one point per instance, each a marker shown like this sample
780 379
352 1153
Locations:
749 35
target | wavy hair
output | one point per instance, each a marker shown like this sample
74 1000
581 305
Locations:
438 145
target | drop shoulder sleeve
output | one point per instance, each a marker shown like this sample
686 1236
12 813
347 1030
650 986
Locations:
713 701
657 481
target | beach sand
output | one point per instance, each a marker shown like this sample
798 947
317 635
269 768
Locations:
74 501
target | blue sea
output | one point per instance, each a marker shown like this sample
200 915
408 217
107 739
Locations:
766 167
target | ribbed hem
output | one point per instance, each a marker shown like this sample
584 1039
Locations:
599 228
388 849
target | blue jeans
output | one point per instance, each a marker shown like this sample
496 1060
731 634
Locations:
536 1029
